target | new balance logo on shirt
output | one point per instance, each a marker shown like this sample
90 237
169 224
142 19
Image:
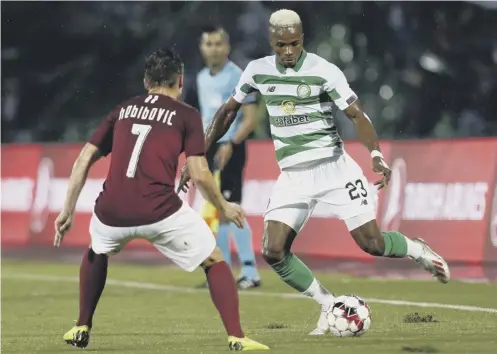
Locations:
271 88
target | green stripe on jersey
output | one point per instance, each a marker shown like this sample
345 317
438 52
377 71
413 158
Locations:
291 150
247 89
303 139
291 120
334 95
288 80
276 100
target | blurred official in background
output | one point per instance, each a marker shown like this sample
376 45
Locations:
215 84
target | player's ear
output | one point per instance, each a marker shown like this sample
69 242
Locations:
180 81
145 83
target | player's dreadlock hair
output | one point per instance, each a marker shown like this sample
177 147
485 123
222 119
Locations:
163 67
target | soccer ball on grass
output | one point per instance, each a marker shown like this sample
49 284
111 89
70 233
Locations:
350 316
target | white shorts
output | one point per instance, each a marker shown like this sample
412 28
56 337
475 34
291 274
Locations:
338 182
183 237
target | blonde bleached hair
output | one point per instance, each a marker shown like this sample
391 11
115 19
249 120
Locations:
285 18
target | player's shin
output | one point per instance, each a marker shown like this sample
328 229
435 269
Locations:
224 294
296 274
92 277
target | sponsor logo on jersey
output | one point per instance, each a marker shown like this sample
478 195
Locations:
288 107
287 121
303 91
271 88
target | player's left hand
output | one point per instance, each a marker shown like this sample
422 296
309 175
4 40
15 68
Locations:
62 224
381 167
223 155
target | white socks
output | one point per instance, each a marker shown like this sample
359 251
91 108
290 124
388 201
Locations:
414 249
319 293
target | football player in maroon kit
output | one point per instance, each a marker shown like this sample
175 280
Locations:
146 136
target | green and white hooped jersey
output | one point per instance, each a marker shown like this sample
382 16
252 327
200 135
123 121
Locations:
299 101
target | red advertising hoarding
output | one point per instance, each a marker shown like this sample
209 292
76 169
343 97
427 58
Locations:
444 191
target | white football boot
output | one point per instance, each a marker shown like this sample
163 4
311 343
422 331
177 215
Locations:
432 262
323 326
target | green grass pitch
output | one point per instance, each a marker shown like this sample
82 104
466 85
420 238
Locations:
153 309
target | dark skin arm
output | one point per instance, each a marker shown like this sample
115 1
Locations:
246 127
220 124
366 133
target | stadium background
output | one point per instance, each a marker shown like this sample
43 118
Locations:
427 75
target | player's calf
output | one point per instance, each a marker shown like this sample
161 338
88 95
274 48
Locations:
92 278
224 293
277 241
393 244
369 238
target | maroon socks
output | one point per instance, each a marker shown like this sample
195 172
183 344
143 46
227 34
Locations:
224 294
222 286
92 276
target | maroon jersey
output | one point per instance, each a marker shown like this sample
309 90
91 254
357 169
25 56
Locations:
146 136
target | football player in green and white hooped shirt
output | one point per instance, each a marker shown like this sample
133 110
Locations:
300 89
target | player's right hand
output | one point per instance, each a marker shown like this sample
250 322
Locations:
62 224
183 182
234 213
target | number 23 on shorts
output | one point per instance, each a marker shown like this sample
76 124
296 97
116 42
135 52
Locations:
356 189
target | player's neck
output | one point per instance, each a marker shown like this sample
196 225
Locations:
214 69
170 92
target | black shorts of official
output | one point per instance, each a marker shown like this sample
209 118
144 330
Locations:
232 175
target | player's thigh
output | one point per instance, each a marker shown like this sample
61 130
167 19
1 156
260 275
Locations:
287 204
349 197
231 179
185 238
108 239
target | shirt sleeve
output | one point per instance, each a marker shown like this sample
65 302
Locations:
103 136
338 88
252 98
246 85
194 136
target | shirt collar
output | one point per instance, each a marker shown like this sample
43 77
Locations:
298 64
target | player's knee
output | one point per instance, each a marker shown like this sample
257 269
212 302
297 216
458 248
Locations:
273 255
215 257
272 252
276 241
